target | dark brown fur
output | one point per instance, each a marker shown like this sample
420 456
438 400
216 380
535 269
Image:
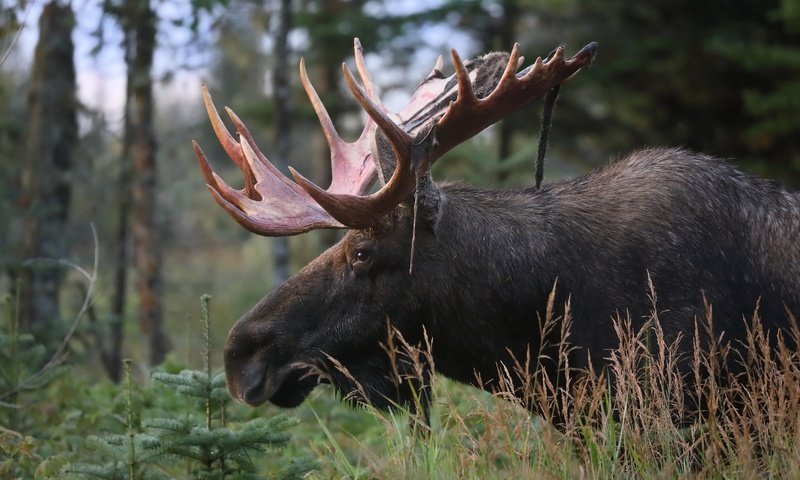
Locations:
486 260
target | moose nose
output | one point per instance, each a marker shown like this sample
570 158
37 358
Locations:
245 375
251 384
250 360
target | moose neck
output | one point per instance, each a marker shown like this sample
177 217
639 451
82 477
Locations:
482 297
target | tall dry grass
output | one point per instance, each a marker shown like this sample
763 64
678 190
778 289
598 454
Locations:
695 407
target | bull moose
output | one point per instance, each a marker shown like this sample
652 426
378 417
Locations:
472 269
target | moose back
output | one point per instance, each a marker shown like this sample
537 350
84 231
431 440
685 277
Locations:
471 269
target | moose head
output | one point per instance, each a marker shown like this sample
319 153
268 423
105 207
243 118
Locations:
336 312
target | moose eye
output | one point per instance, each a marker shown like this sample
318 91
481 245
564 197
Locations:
363 256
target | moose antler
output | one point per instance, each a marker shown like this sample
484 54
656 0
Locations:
465 116
270 204
442 113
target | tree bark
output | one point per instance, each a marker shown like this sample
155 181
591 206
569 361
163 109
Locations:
140 43
45 183
283 124
111 353
506 35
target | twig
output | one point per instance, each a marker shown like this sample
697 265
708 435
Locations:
16 36
58 356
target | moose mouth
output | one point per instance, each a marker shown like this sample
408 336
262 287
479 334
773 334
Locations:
294 390
286 388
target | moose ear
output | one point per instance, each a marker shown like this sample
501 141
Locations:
428 198
428 202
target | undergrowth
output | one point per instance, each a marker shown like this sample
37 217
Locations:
652 413
723 410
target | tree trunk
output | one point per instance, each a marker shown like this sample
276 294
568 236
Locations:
140 27
283 128
111 353
45 183
506 35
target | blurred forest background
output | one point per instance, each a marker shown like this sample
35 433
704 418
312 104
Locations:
719 77
99 100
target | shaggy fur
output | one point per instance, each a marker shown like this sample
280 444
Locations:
486 261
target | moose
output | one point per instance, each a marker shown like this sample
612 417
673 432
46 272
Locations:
470 271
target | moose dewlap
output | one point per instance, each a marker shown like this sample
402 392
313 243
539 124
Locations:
486 261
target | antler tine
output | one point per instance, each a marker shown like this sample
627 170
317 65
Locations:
328 129
231 200
510 73
436 72
258 161
466 94
262 169
205 167
350 170
229 144
439 65
225 196
557 56
361 67
215 183
401 141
